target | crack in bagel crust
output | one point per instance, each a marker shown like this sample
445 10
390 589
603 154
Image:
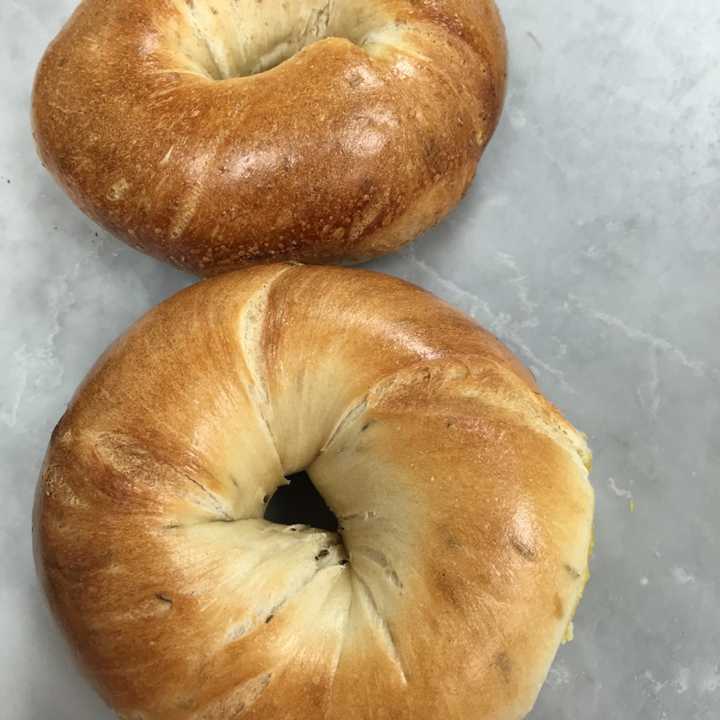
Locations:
220 133
462 499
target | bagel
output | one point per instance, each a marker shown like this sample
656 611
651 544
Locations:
220 133
462 498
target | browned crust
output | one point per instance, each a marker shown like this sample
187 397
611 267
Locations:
310 161
463 495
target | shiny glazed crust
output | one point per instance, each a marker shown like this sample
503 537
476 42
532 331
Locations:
171 124
462 495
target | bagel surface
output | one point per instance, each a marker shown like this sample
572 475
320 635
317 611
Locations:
462 495
220 133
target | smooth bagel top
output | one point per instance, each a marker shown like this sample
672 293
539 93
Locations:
219 133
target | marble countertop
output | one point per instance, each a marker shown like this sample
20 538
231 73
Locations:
589 243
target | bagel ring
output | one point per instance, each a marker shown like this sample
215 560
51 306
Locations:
219 133
462 498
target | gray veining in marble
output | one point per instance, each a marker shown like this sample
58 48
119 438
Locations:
589 243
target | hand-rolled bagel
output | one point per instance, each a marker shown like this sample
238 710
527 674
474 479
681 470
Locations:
220 133
462 496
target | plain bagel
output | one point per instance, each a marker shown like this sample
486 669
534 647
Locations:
462 494
220 133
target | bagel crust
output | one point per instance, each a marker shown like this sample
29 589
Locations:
219 133
462 495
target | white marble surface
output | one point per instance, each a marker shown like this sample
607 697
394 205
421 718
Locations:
589 243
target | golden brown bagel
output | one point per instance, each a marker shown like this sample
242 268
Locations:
177 125
462 494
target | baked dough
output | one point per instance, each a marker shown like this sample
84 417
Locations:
220 133
462 497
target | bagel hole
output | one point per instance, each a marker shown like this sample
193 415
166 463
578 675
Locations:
237 38
299 503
